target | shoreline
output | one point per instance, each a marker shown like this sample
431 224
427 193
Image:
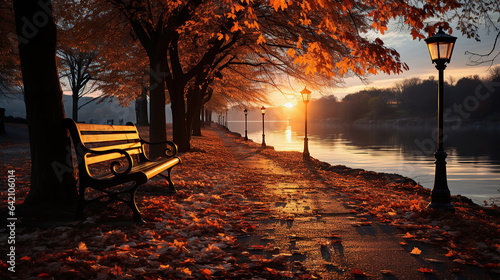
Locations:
345 170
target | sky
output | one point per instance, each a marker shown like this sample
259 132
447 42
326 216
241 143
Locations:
416 55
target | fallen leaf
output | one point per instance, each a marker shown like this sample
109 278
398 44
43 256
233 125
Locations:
206 271
425 270
408 235
25 258
450 254
256 247
82 246
415 251
357 272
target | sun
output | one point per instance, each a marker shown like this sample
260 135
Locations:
288 105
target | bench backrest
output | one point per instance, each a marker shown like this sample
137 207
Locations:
99 137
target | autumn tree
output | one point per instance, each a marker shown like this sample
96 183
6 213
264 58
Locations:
155 24
78 60
98 53
78 67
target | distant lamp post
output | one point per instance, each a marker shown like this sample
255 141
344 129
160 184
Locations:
263 111
306 97
246 131
440 48
225 124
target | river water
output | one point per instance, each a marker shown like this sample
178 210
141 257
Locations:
473 163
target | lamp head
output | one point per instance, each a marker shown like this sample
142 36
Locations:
306 94
440 46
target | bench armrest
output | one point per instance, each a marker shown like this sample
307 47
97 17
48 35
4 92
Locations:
115 164
171 147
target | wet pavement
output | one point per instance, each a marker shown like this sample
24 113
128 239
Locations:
309 224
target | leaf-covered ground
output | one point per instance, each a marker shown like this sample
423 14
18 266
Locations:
194 233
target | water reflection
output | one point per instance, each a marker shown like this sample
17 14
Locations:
473 154
288 133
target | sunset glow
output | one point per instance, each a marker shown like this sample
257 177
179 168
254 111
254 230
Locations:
288 105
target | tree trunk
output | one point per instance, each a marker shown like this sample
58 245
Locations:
208 117
202 116
195 101
191 107
178 105
75 104
158 123
197 123
141 108
53 186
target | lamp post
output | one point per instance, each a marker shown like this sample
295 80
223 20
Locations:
440 49
225 124
306 96
263 111
246 131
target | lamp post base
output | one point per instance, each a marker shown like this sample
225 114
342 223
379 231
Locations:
263 141
306 154
440 194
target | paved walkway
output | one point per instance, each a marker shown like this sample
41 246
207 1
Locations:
312 226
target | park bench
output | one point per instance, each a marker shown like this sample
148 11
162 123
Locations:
112 148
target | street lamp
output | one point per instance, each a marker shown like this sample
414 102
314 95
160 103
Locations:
225 124
246 131
263 111
306 96
440 49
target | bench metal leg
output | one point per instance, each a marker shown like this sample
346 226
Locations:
112 196
131 203
171 187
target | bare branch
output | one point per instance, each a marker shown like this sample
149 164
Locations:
478 59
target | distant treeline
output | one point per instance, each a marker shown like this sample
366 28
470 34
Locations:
470 99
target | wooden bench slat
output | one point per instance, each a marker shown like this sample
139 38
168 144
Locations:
95 138
89 159
83 127
125 146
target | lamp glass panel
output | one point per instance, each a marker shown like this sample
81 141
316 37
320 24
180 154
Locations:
433 50
448 51
443 50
